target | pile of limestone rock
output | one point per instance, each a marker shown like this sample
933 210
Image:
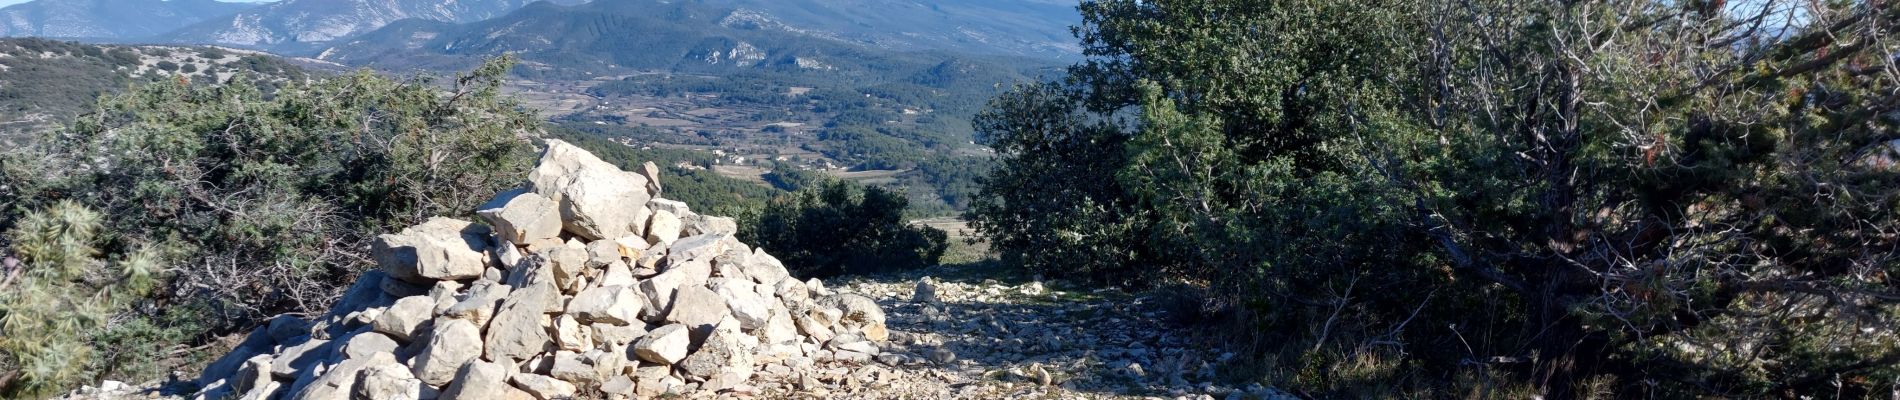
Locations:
583 284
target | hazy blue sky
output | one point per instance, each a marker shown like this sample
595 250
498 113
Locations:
12 2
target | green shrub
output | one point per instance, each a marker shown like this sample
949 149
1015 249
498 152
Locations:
842 228
268 202
60 294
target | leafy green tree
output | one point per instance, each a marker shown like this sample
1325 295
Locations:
792 179
842 228
1644 199
1052 203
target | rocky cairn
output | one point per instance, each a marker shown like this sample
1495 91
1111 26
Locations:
582 284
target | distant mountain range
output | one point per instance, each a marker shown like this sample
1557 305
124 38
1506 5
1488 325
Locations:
291 25
110 19
614 36
1026 28
1036 28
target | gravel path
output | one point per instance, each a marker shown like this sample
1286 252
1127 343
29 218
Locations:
980 338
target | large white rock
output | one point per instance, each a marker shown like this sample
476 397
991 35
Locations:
368 344
812 327
664 227
568 264
661 289
779 328
452 343
698 308
696 248
745 303
401 319
722 354
861 314
793 293
652 172
440 249
765 269
522 216
571 335
391 381
479 380
666 345
516 333
617 274
618 305
574 368
480 305
597 200
545 387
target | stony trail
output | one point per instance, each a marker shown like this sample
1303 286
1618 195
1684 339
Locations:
969 336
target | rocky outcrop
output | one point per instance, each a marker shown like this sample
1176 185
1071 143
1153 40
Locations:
582 284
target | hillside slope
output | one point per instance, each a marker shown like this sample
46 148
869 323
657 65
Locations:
47 82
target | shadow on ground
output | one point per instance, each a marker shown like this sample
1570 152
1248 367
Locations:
997 333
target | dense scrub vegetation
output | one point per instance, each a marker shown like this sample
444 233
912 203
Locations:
1473 198
250 206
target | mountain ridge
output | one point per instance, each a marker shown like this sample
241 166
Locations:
109 19
1029 28
605 37
293 25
